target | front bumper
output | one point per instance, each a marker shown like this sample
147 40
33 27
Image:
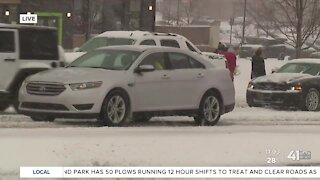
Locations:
68 104
258 98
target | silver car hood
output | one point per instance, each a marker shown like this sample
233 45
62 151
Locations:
77 75
281 77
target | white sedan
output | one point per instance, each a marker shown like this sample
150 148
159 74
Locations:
115 84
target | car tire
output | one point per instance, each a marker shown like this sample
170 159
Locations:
209 110
141 118
42 118
115 109
4 106
312 100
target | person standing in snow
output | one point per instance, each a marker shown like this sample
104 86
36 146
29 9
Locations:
231 59
258 66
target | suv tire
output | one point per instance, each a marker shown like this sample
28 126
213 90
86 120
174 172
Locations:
4 106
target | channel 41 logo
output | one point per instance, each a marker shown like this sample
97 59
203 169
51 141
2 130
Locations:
297 155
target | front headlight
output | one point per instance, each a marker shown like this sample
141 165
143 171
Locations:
296 88
85 85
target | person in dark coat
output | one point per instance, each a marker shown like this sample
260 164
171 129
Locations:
258 67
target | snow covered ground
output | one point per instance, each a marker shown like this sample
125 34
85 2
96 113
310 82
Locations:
240 138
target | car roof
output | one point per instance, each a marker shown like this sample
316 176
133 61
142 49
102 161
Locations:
141 48
19 26
305 60
138 34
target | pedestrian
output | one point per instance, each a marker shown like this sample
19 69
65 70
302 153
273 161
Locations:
231 59
258 66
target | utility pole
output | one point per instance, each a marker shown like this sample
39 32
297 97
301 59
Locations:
244 21
231 25
178 12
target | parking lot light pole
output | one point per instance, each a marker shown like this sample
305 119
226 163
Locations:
244 21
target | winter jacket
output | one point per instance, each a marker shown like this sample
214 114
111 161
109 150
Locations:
258 67
232 62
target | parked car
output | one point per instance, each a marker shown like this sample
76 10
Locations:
247 50
295 85
219 59
114 38
115 83
25 50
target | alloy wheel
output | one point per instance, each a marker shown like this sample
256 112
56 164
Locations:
116 109
312 100
211 108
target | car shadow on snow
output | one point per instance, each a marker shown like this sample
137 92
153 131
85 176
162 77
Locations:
152 123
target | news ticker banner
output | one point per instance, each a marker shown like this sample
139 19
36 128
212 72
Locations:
171 172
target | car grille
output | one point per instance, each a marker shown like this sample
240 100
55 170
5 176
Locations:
45 89
270 86
44 106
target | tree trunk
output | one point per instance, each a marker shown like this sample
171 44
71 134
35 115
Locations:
299 11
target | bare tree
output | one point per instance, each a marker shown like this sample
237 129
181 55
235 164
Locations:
180 11
190 10
167 7
297 20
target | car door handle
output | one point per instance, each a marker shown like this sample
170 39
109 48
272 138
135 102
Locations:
165 76
9 60
200 75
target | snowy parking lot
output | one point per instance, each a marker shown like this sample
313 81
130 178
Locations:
240 138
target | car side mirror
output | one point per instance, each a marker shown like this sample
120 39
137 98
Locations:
274 70
76 49
144 68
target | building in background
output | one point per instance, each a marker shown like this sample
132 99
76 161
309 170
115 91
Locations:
78 20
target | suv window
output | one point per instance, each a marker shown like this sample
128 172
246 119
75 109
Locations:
196 64
179 61
170 43
183 61
190 47
155 59
38 44
6 41
148 42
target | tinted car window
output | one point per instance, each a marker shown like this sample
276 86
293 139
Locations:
148 42
179 61
295 68
196 64
38 44
170 43
190 47
6 41
314 70
155 59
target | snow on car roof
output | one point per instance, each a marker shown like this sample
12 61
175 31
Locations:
141 48
136 34
252 45
305 60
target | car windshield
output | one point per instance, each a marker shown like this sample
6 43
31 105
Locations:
107 59
97 42
305 68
